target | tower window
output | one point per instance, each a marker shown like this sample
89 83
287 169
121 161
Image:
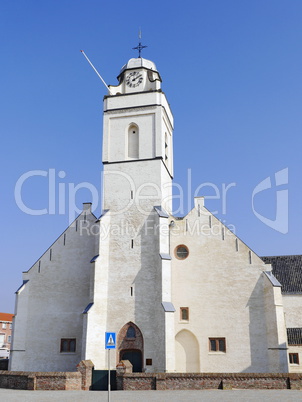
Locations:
166 147
133 142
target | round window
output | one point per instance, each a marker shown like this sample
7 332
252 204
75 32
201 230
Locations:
182 252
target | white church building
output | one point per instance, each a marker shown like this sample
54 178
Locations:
181 296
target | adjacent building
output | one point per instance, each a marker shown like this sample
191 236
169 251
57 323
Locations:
6 322
288 270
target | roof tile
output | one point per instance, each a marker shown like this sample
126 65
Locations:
288 270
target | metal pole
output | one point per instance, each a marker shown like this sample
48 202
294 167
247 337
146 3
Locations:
109 386
98 74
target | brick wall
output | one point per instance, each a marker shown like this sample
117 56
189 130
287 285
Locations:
69 381
16 380
85 369
185 381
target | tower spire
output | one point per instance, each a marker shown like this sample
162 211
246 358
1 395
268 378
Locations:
139 47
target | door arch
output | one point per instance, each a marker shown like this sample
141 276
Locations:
130 346
186 352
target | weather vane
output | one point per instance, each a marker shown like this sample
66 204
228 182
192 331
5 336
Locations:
140 47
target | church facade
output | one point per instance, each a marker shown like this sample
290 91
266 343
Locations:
182 294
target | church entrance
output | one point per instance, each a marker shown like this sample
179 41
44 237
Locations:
134 357
130 346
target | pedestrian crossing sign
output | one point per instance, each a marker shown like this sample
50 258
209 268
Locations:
110 340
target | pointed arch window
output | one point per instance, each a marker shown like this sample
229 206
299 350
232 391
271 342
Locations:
133 141
131 332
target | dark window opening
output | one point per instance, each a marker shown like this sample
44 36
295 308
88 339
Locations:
182 252
184 313
217 344
131 333
294 358
68 345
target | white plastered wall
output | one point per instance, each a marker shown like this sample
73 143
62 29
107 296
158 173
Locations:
54 298
222 283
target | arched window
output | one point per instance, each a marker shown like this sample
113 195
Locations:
130 332
133 142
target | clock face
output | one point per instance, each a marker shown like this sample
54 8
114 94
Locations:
134 79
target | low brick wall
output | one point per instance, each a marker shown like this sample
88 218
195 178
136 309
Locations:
69 381
40 381
63 381
17 379
186 381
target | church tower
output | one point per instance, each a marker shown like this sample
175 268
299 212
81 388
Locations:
132 273
137 136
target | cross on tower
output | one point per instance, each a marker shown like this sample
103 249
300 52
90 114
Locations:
139 47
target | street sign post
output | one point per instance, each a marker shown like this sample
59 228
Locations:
110 343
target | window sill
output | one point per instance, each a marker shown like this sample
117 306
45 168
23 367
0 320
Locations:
217 353
68 353
184 322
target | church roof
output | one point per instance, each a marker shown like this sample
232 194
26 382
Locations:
294 336
288 270
139 62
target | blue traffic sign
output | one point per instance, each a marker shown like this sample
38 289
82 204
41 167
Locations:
110 340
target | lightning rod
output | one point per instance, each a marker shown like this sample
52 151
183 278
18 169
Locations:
99 75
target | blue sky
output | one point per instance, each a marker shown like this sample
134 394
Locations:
231 71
